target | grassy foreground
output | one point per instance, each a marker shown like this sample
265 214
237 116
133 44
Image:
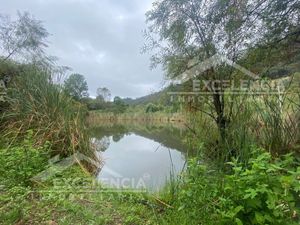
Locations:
266 191
48 206
62 199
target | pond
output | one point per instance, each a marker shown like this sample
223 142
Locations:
139 156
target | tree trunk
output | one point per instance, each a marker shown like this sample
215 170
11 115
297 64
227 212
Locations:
221 118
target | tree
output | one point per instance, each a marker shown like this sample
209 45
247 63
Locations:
184 33
21 37
119 105
76 86
190 33
118 100
152 108
280 19
104 94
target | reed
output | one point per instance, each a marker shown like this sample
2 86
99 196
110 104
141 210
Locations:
40 105
100 117
267 121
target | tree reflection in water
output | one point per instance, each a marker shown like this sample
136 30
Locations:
100 145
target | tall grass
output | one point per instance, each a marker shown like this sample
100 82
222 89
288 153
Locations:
267 121
40 105
278 132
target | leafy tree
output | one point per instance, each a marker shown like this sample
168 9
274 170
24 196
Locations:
118 100
190 32
119 105
152 108
183 33
76 86
103 94
94 104
280 19
23 36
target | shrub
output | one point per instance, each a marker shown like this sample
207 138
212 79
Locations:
152 108
264 192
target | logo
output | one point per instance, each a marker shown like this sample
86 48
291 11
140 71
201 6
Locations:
251 85
115 183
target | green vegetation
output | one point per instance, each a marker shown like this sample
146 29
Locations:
266 191
20 163
151 108
197 30
76 86
25 202
243 196
97 117
39 105
246 170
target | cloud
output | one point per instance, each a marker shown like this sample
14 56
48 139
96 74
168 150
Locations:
100 39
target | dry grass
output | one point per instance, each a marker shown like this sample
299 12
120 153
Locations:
95 118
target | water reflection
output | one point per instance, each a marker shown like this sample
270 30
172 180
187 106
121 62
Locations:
139 156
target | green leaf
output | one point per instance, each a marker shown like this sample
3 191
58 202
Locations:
259 218
251 193
238 221
238 209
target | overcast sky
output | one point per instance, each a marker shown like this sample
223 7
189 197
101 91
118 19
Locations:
101 39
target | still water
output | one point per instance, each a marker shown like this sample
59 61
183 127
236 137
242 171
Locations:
139 157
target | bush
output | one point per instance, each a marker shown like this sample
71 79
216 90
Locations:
264 192
152 108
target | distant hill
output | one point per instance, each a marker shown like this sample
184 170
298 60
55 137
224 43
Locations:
160 97
151 98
